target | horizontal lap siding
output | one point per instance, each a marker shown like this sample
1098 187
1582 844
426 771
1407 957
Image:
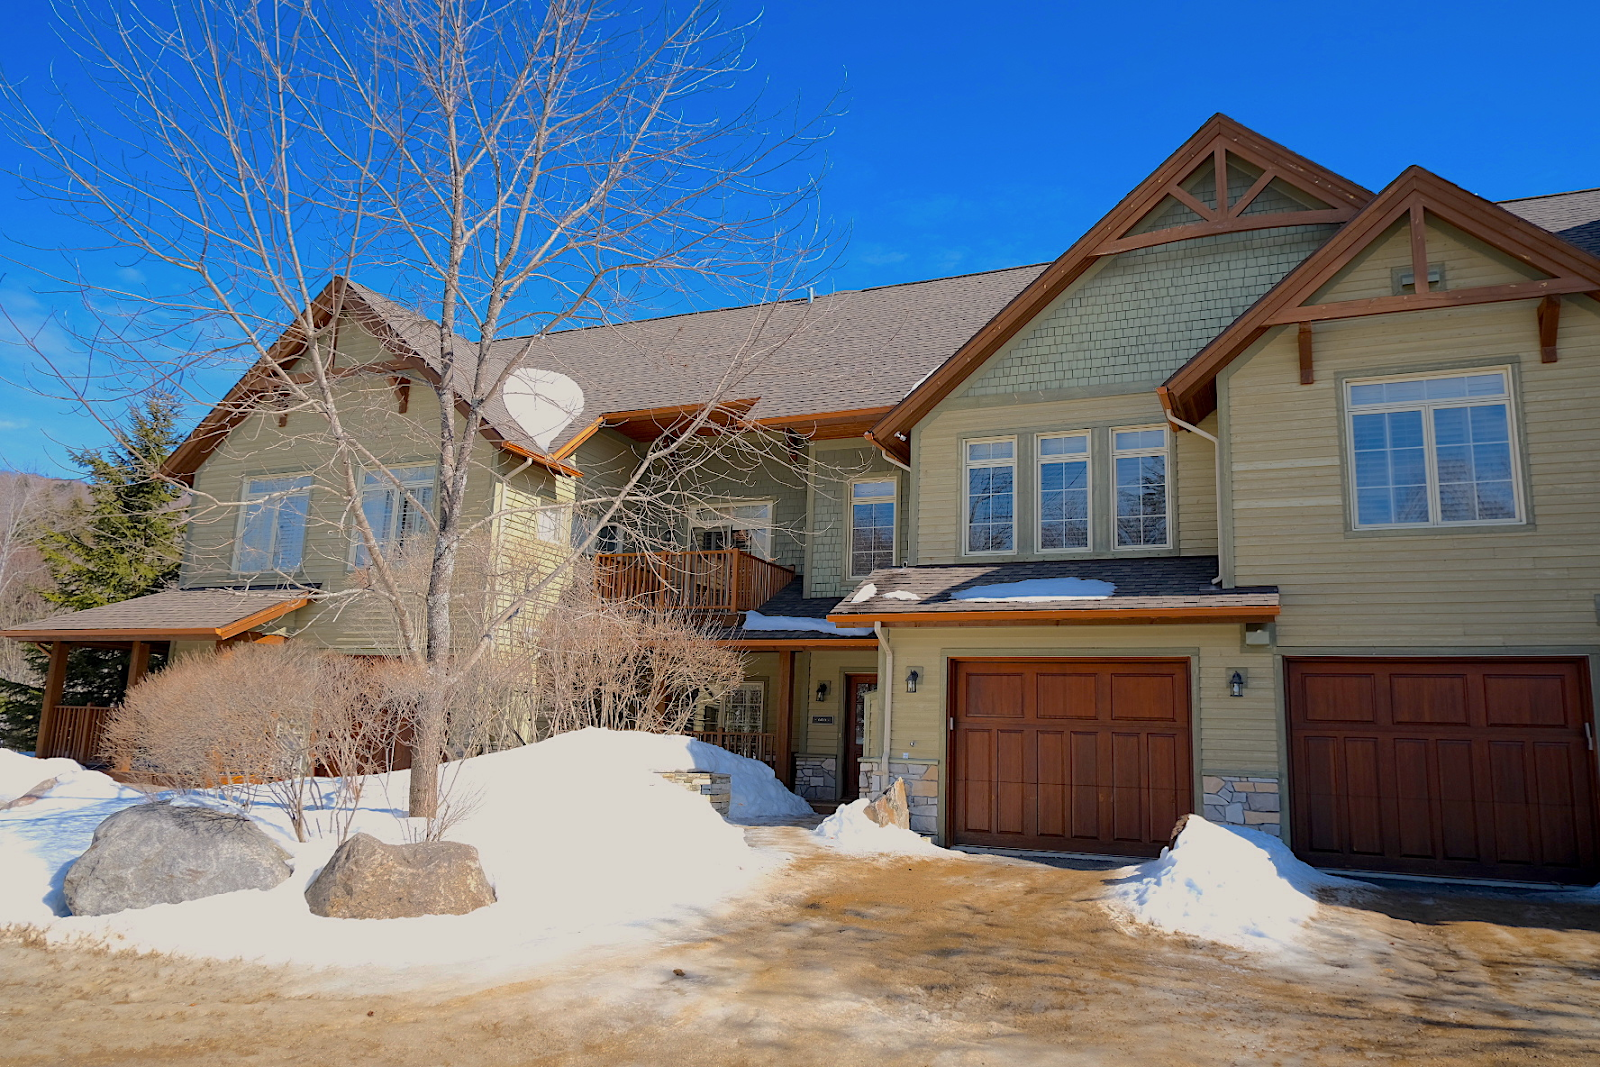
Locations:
1509 586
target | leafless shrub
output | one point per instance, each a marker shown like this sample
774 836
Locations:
623 667
258 719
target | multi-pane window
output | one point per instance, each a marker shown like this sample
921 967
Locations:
274 533
396 504
871 526
747 527
1063 491
1433 451
743 710
1139 466
991 476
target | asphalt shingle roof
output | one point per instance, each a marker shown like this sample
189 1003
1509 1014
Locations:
1574 216
791 602
1155 582
176 610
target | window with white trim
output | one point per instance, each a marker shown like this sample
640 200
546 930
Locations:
1433 451
744 708
1139 466
272 535
990 477
397 513
745 526
1063 492
872 506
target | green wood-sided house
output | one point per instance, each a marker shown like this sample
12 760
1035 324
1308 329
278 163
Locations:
1271 499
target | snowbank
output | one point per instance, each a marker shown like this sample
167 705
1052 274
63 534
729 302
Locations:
849 830
1035 590
20 773
585 845
754 620
1224 883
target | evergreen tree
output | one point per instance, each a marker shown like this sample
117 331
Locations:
122 543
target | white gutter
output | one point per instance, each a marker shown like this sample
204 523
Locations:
888 695
1216 451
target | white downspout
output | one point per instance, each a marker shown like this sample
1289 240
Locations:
1216 451
886 687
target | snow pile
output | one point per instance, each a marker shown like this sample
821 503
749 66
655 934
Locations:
849 830
20 773
1035 590
901 594
865 593
583 841
1224 883
754 620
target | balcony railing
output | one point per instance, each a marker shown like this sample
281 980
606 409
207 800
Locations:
752 746
76 732
714 582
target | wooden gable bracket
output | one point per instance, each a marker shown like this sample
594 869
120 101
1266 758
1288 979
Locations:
1211 145
1410 199
402 393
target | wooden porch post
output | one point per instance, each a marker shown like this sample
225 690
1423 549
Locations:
138 662
55 681
784 746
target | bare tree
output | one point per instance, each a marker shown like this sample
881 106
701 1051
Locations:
515 169
30 504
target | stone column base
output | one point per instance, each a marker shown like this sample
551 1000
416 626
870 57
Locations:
1252 802
816 777
922 790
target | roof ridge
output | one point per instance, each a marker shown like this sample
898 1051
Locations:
1547 196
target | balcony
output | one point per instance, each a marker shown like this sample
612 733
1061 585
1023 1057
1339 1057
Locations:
716 582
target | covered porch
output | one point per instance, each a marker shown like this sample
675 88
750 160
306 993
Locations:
161 624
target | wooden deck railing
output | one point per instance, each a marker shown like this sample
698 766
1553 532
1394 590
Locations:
751 746
74 731
716 582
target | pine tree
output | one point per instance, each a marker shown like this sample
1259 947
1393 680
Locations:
122 543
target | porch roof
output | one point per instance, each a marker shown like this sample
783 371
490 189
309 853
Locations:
792 603
1153 589
177 614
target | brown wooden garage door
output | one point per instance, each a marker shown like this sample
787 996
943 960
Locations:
1070 755
1473 768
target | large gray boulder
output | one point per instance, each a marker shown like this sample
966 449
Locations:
367 879
162 854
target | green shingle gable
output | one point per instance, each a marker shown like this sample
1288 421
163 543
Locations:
1141 315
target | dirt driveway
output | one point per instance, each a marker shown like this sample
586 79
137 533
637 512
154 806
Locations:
851 961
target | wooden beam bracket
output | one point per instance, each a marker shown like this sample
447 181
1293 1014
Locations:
1549 318
1308 374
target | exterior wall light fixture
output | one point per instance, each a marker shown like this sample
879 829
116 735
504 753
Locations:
911 682
1236 684
822 692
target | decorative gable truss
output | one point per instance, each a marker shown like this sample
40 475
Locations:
1417 212
1263 185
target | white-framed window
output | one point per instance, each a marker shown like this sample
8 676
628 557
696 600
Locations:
397 513
745 525
989 473
1063 492
872 507
1139 470
1433 451
550 522
272 530
744 708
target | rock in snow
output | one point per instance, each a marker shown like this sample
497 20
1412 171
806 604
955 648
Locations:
160 854
891 809
367 879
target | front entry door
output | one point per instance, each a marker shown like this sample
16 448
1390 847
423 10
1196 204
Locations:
856 687
1070 755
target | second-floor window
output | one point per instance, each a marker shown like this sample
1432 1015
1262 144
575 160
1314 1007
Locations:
274 530
1063 491
397 513
1139 465
1433 451
991 476
871 526
747 527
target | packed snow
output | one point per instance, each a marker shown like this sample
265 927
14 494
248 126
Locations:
901 594
1225 883
19 773
1036 590
849 830
754 620
584 843
865 593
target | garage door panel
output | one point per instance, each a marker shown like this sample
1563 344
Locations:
1093 754
974 807
1530 701
1474 768
1430 699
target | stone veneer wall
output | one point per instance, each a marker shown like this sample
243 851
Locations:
716 788
1252 802
816 777
922 790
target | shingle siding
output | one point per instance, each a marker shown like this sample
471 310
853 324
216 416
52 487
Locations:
1144 313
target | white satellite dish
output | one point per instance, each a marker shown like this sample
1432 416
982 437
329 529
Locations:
543 402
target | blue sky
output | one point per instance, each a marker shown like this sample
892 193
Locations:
983 135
